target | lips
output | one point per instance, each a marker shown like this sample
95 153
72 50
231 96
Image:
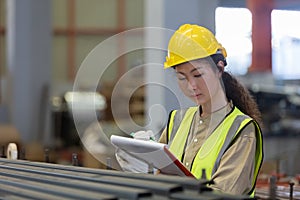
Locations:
196 95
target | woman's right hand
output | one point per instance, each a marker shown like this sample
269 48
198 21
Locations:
129 163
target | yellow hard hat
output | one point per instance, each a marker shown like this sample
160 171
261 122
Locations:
191 42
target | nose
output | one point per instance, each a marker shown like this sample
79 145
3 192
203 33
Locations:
192 84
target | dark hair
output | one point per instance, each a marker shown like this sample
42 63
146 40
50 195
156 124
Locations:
241 97
238 93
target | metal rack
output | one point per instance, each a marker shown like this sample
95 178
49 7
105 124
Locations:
21 179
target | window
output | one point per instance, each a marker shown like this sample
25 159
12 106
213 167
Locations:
286 44
233 31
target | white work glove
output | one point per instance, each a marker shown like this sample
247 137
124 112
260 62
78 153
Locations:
128 162
143 135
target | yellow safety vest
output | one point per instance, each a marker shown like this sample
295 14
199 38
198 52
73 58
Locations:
212 150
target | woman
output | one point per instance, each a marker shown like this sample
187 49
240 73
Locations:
221 135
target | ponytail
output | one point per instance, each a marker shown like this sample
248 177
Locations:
236 92
241 97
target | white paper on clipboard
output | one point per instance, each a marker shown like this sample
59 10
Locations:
153 153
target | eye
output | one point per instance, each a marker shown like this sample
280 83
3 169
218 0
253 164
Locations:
198 75
182 78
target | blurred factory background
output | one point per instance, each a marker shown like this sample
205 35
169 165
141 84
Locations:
43 44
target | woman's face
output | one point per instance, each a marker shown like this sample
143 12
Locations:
199 81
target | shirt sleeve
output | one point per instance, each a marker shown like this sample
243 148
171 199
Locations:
236 170
163 137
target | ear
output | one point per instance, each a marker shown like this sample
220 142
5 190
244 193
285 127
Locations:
221 67
221 64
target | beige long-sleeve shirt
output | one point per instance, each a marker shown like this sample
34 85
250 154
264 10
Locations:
236 169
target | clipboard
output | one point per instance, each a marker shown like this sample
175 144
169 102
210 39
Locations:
153 153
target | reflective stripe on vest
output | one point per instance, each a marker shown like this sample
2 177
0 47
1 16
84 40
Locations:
177 147
211 152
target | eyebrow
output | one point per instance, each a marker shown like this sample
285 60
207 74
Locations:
196 68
